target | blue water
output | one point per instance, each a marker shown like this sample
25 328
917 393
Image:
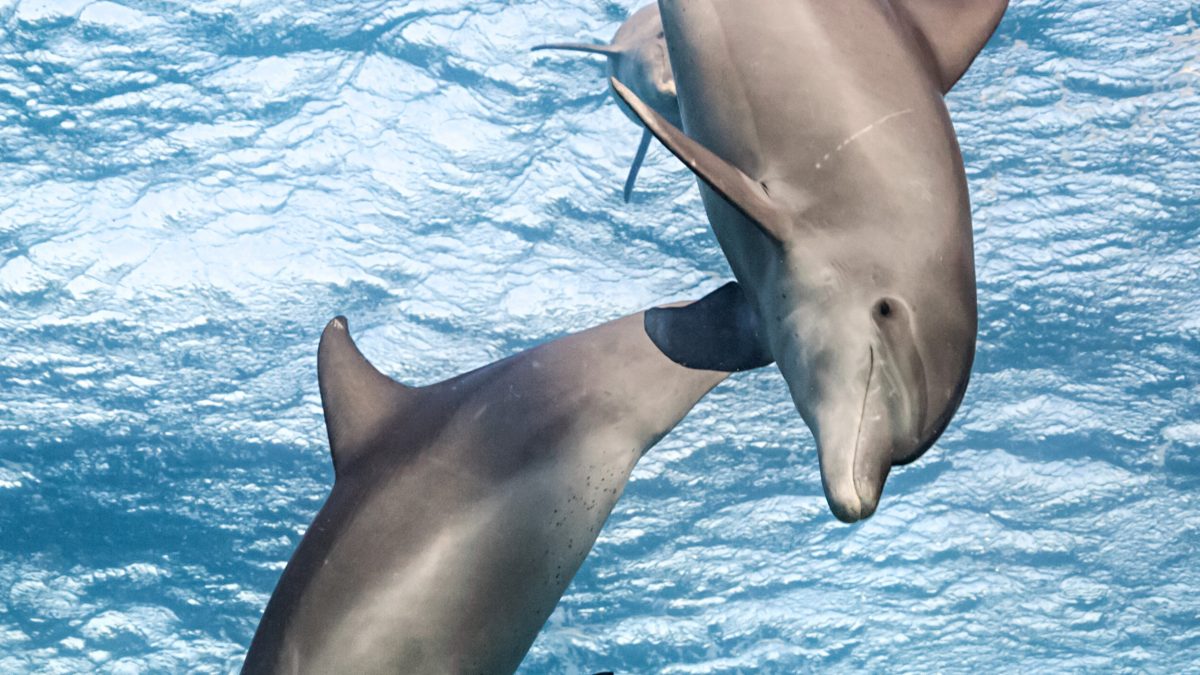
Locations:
189 190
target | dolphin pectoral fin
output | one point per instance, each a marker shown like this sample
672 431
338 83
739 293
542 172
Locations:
358 399
717 332
637 163
743 192
954 30
607 50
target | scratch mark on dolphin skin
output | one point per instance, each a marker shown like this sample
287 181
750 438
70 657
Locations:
858 134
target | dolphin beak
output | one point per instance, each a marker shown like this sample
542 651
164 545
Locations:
855 459
853 475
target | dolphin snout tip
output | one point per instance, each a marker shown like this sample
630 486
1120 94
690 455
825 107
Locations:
845 512
868 498
853 510
851 504
854 499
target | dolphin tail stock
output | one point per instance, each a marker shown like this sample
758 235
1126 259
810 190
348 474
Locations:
607 50
743 192
717 332
954 32
358 400
637 164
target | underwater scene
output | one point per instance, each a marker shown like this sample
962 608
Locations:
190 191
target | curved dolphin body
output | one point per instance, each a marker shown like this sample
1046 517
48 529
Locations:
833 181
461 510
637 56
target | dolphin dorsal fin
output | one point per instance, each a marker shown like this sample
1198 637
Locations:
743 192
358 400
955 31
607 50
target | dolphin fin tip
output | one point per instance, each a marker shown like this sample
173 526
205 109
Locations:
627 191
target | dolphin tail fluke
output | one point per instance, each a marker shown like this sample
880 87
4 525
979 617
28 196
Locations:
955 31
637 163
358 400
607 50
743 192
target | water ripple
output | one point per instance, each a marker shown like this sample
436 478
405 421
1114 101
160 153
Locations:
190 190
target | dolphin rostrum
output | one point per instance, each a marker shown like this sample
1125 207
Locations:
833 181
637 56
461 510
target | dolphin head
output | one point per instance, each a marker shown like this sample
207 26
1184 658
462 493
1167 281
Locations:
876 361
875 338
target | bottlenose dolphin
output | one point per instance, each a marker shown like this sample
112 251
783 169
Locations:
461 510
834 184
637 56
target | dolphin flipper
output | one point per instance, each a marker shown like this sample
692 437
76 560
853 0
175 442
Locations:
637 163
358 400
954 31
717 332
741 191
607 50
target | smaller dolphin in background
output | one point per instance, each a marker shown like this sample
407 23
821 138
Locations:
637 57
461 510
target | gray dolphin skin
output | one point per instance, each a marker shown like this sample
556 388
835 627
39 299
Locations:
833 181
638 58
461 510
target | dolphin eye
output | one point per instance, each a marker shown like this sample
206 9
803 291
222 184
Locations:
885 308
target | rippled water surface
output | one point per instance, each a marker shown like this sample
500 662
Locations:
189 190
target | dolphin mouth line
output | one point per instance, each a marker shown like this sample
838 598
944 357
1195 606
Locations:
862 414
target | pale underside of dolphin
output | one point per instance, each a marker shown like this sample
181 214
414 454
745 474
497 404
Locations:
637 56
461 510
833 181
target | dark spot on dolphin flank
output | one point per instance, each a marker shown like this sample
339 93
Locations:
765 188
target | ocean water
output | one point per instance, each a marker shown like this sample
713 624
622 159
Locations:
190 190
